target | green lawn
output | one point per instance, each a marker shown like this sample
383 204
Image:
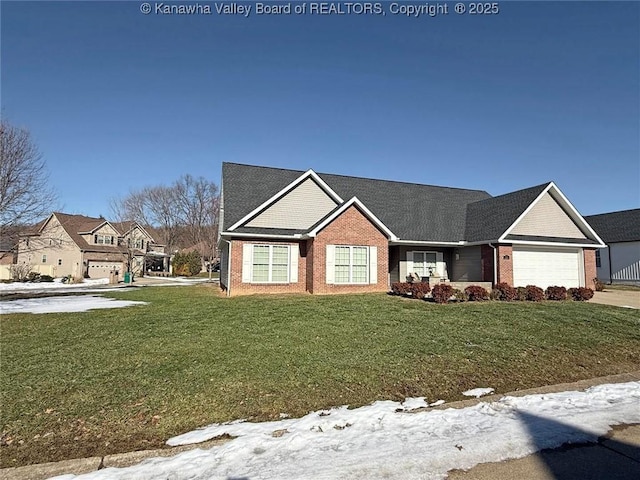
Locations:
80 384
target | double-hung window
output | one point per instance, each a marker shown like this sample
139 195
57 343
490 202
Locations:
103 239
351 264
424 263
270 264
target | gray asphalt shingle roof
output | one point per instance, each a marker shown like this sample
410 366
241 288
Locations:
411 211
489 219
623 226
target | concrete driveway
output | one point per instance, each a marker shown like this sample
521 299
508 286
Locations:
618 298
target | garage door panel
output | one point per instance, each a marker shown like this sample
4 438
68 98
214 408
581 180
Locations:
547 266
98 269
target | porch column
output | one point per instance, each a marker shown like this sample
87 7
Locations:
505 264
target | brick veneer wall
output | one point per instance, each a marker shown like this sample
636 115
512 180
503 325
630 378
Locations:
237 287
590 271
350 228
505 264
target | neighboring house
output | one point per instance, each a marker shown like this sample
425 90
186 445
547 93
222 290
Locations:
8 256
293 231
89 247
620 261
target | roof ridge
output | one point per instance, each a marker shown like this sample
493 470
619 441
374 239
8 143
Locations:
357 177
614 212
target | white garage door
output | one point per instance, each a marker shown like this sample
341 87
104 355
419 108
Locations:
545 267
102 269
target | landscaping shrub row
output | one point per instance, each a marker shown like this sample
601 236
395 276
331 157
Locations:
444 292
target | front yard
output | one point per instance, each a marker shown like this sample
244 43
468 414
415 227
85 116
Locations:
106 381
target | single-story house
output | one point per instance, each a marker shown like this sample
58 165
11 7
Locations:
620 261
82 246
295 231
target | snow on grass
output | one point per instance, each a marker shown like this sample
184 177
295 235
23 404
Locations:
17 287
80 303
478 392
383 440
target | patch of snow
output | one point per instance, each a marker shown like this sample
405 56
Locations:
414 403
18 287
80 303
377 441
478 392
437 403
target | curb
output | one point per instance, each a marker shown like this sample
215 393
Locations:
91 464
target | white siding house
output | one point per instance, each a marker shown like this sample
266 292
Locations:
620 261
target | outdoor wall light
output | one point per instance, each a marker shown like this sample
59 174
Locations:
505 257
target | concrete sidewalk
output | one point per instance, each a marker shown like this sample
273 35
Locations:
618 298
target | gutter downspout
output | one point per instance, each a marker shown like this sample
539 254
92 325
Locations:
610 276
495 265
228 267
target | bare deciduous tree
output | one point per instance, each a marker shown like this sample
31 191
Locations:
186 212
198 201
25 196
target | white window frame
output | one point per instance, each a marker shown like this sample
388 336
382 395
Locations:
426 265
270 280
372 264
366 265
101 239
44 258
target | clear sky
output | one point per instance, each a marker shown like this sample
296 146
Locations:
117 100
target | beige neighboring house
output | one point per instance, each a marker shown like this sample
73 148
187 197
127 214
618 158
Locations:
89 247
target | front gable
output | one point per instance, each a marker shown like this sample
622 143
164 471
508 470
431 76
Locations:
279 214
298 209
547 219
551 219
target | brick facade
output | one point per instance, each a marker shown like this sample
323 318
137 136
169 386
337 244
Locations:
237 287
505 264
350 228
590 271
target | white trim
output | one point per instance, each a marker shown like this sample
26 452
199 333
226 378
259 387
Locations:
351 265
431 244
495 264
343 208
270 264
297 236
294 253
552 244
330 264
573 214
373 265
308 174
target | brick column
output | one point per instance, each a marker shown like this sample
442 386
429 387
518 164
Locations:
505 264
590 271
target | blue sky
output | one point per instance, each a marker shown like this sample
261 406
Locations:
117 100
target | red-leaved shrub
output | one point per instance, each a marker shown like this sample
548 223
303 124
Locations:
505 292
556 293
580 294
419 290
476 293
400 288
442 292
534 294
